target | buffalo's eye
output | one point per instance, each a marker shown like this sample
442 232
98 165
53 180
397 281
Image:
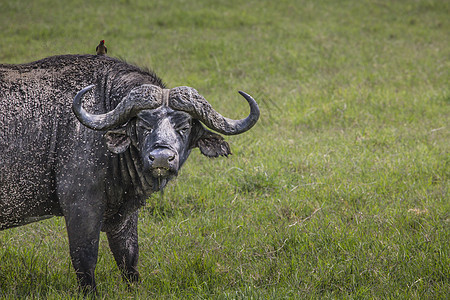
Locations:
183 131
147 129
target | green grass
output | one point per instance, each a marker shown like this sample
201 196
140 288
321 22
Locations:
340 190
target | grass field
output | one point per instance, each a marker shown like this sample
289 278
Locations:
340 191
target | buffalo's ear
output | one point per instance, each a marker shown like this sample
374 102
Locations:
210 144
117 140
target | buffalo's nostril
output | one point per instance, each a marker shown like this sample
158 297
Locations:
171 158
152 158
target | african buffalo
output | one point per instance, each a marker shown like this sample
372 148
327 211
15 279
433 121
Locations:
97 169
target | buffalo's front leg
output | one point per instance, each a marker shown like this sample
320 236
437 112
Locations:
123 242
83 228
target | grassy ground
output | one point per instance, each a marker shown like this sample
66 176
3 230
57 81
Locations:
340 190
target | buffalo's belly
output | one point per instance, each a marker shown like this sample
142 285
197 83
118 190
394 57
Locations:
28 208
20 222
25 196
21 211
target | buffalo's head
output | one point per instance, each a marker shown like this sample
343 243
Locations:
163 125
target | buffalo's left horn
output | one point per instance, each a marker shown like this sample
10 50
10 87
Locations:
142 97
187 99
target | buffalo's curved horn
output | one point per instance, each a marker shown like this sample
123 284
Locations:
142 97
187 99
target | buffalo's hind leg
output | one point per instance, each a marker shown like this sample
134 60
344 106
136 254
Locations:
123 243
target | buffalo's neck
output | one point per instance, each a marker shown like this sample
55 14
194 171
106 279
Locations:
127 190
133 175
130 186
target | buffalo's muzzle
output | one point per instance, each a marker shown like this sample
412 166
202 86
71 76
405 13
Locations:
163 161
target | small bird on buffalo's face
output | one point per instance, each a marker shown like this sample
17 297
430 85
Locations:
101 48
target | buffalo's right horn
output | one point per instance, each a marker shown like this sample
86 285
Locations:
187 99
142 97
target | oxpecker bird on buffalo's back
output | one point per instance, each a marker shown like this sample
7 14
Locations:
89 138
101 48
